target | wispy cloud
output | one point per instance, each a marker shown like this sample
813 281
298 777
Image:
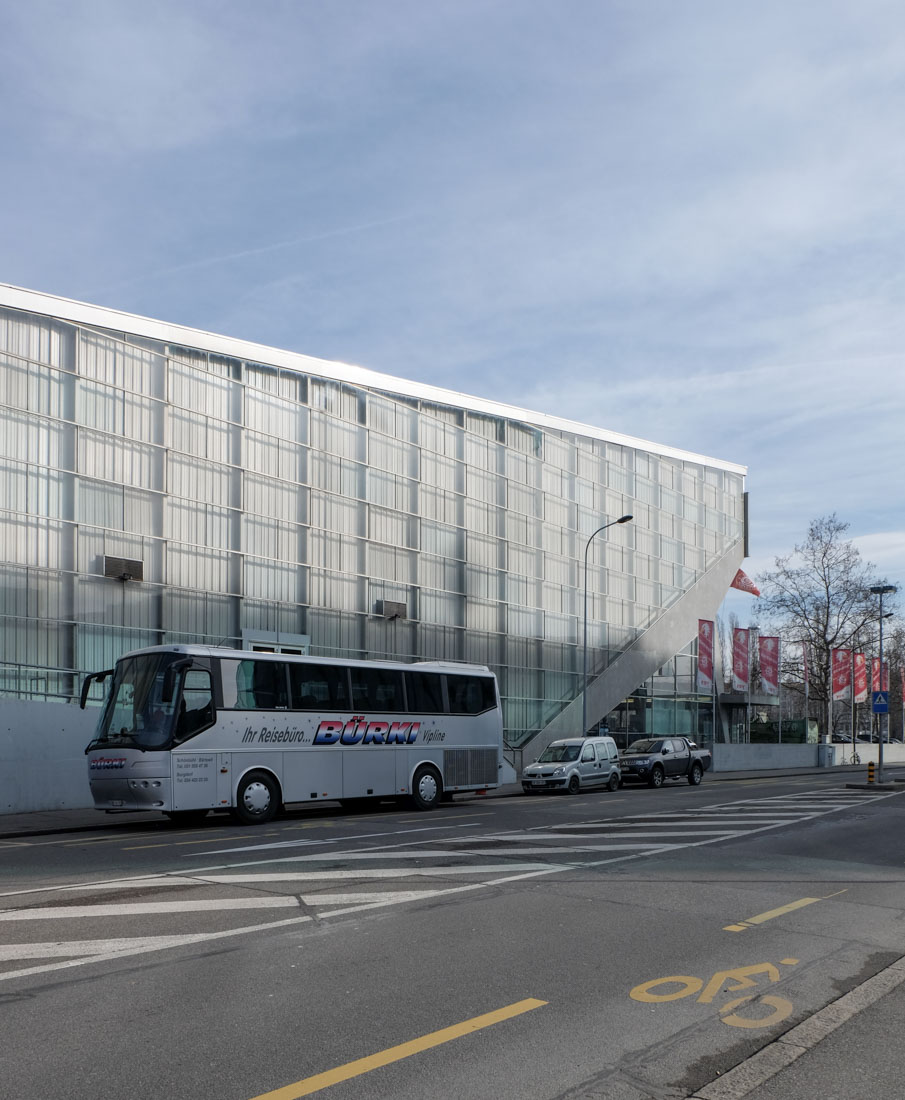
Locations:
263 250
680 221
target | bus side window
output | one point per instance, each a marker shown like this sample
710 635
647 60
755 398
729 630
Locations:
377 689
470 694
269 682
425 692
253 685
318 687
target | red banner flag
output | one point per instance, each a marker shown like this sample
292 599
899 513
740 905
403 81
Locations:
740 661
705 656
768 658
860 673
744 583
842 673
875 675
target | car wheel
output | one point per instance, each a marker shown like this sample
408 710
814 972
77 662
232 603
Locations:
257 799
574 786
427 788
613 783
656 777
695 775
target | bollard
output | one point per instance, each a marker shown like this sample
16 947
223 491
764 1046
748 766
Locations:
870 771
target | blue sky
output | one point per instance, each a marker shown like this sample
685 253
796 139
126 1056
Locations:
680 221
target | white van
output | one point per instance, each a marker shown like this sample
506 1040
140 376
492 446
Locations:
574 764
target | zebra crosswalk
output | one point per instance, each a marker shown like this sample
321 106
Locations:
291 884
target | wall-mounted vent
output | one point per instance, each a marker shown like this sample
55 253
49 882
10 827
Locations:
124 569
391 609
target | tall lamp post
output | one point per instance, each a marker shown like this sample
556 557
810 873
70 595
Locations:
584 688
881 590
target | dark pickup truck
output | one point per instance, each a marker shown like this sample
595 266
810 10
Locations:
656 759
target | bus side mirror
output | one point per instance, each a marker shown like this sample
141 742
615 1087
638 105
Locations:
100 677
169 678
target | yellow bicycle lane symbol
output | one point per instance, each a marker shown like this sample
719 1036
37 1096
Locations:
676 986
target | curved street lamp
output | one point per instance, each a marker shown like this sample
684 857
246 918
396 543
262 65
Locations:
584 688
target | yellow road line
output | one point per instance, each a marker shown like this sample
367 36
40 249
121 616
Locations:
397 1053
762 918
100 839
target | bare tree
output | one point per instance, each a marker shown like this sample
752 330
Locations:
819 597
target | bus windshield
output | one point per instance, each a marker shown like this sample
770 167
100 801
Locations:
135 714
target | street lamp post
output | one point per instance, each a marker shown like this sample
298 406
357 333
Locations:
584 687
881 590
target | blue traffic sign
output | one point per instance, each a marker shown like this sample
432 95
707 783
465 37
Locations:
880 702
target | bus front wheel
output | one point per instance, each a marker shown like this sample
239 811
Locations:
257 799
427 788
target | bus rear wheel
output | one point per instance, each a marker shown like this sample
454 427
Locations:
427 788
257 799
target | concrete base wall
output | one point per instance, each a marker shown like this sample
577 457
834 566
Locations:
42 759
737 758
42 756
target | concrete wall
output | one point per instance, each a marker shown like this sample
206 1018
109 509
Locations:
732 758
42 756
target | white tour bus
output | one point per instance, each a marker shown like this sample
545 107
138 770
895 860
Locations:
188 729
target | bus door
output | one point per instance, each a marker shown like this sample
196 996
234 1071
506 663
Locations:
195 772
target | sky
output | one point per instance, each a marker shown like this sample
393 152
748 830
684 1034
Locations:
681 221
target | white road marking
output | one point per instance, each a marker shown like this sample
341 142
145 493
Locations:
334 840
71 948
144 908
102 950
588 834
390 897
313 876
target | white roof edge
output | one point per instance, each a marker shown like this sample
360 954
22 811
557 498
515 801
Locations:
67 309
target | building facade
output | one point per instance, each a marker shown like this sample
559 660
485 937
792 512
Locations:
161 484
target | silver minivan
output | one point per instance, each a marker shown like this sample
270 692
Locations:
574 764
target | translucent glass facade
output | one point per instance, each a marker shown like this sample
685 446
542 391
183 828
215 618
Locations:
262 498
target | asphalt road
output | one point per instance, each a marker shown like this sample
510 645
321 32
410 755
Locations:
626 945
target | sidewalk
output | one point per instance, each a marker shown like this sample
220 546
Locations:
47 822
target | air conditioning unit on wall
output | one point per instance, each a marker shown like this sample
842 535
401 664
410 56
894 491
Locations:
391 609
